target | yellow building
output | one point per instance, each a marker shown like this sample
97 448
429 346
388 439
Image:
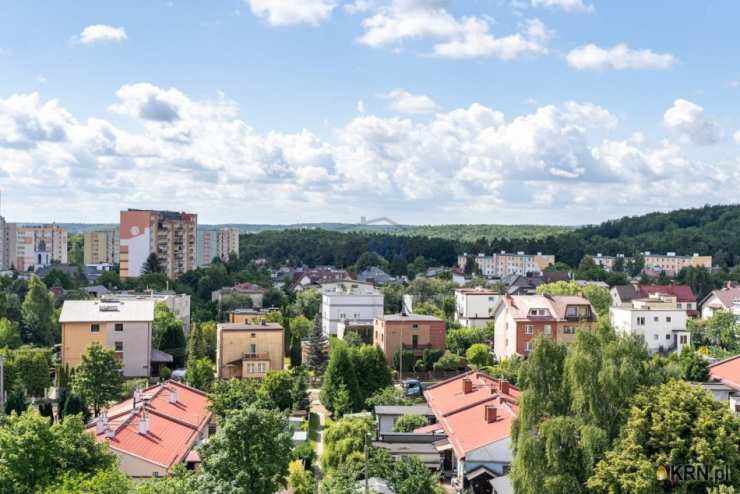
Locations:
101 247
248 350
122 326
672 262
249 316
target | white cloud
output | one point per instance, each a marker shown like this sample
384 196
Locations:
465 37
360 106
688 120
100 33
405 102
618 57
736 137
359 6
567 5
287 12
200 155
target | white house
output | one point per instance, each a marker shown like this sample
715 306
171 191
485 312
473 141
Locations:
349 301
726 299
474 306
657 319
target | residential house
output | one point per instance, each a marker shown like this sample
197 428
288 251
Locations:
240 292
670 262
503 263
250 316
413 332
178 303
519 319
517 284
375 275
474 306
387 415
248 350
155 430
122 326
608 262
685 298
314 278
726 299
476 412
349 301
657 318
101 246
727 373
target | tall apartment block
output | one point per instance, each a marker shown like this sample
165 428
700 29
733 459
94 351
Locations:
506 263
32 246
101 247
170 235
217 243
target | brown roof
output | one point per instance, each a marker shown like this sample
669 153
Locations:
556 305
726 295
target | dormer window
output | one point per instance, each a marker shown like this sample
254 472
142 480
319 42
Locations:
571 311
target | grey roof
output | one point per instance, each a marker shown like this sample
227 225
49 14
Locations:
107 311
403 410
502 485
626 292
99 289
410 317
158 356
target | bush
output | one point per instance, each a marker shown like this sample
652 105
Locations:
408 423
448 361
165 373
430 357
408 360
479 355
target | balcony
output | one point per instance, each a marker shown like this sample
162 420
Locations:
256 356
420 347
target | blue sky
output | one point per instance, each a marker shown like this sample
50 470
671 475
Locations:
427 111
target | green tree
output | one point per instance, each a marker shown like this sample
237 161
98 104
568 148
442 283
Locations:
299 389
479 355
448 361
36 314
405 358
74 404
276 388
200 374
343 438
459 340
301 481
249 454
371 369
390 395
10 336
341 401
670 424
197 344
309 302
98 379
34 454
178 481
32 367
694 367
152 265
318 347
168 334
231 395
407 423
340 371
107 481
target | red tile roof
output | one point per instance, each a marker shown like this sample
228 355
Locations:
683 293
174 428
727 371
463 415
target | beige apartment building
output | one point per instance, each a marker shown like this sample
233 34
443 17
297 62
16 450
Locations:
170 235
671 262
219 243
35 246
122 326
101 247
505 263
248 350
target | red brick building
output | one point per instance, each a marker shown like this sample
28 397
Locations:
415 331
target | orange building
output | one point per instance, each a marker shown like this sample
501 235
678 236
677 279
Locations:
415 332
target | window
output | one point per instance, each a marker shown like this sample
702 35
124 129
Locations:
571 312
414 326
641 321
667 337
684 339
528 329
252 348
528 346
569 330
680 306
118 346
668 319
415 341
656 319
119 326
95 328
655 336
548 330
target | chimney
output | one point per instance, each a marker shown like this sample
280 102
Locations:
100 424
109 432
143 423
491 414
503 385
467 385
173 395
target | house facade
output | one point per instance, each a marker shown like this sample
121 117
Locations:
122 326
726 299
519 319
670 262
657 319
414 332
503 263
220 243
474 306
248 350
349 301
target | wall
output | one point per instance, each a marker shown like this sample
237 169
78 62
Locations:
137 467
428 332
336 308
233 344
136 338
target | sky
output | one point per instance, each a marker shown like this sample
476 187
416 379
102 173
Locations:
424 111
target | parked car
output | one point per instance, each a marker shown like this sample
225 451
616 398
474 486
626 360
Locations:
412 387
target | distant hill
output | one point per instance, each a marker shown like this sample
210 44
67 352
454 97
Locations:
450 232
